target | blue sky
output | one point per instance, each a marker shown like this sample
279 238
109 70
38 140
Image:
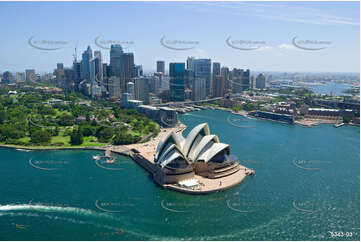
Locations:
208 24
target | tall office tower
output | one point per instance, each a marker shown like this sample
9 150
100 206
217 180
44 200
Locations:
105 71
253 82
85 62
138 71
60 75
19 76
99 65
109 71
216 80
246 80
127 70
188 78
114 87
261 81
159 79
68 79
116 53
199 88
30 75
76 73
202 69
237 75
130 90
7 77
225 79
60 66
218 86
161 66
176 84
190 63
141 89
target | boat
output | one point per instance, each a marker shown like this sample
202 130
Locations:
110 160
96 157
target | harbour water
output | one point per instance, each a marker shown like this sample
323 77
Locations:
306 187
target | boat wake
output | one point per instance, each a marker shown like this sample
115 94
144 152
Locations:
56 209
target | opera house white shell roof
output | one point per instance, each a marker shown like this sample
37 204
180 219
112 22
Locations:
199 145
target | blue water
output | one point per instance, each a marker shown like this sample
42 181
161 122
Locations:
307 185
335 88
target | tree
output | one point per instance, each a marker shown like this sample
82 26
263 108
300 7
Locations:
40 137
76 138
104 134
66 120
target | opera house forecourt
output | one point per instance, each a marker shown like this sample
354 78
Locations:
199 163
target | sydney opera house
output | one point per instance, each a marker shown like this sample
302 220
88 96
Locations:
200 154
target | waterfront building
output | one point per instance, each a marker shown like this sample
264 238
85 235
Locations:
237 80
190 63
176 74
161 66
202 69
261 81
141 89
245 80
188 78
200 153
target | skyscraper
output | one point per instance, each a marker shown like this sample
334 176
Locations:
261 81
85 63
116 53
30 75
126 70
246 80
217 87
199 88
176 74
237 80
98 65
130 90
190 63
141 89
225 79
114 87
202 69
161 66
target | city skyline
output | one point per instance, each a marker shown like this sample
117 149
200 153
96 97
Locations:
259 22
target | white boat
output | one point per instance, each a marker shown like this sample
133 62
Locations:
96 157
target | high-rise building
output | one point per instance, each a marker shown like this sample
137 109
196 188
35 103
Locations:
114 87
217 86
237 80
176 85
202 69
161 66
7 77
85 63
225 80
141 89
30 75
98 66
60 66
261 81
19 76
199 88
246 80
116 53
130 90
188 78
190 63
127 69
138 71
